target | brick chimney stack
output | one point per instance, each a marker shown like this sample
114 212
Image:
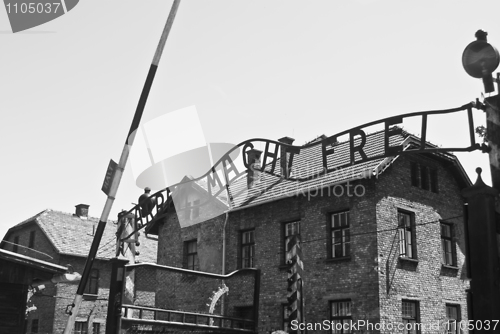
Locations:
82 211
253 172
283 158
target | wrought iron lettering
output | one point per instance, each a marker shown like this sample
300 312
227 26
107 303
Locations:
232 168
389 150
274 155
357 132
326 152
246 147
212 181
356 142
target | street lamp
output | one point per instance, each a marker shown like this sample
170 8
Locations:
480 59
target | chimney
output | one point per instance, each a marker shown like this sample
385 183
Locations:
285 173
253 172
82 211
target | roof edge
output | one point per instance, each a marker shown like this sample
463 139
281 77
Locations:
32 262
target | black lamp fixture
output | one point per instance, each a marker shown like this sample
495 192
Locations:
480 59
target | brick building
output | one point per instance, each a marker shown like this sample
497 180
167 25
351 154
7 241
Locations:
65 239
382 240
17 273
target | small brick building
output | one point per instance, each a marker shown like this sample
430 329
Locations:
17 274
65 239
382 241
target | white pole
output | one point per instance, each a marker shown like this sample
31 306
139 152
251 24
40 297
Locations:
119 170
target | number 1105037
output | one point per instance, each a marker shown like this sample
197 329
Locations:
31 8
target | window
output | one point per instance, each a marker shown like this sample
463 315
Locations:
96 328
191 255
247 249
291 229
80 327
406 231
434 180
194 209
414 174
424 177
92 284
285 314
340 235
16 242
34 326
32 240
410 316
447 245
340 314
453 317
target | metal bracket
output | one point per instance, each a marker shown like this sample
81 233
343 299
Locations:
485 148
479 105
71 309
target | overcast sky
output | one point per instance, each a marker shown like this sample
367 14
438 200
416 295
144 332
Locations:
269 69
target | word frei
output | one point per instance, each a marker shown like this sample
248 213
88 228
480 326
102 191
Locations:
216 183
225 172
356 151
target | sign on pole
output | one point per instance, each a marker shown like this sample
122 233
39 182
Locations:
108 179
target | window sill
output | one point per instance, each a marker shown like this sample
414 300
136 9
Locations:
449 266
408 259
427 190
338 259
283 267
240 267
87 296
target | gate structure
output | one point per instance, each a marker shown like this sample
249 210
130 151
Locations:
159 299
162 299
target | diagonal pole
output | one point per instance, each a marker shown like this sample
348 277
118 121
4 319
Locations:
119 169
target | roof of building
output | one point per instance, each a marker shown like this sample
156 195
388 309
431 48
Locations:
309 162
31 262
72 235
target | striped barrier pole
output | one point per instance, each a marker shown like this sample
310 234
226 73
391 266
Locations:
295 281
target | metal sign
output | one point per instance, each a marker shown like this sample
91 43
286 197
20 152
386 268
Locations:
357 140
108 179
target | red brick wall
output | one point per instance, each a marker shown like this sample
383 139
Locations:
427 281
44 302
95 306
358 278
42 244
184 292
51 302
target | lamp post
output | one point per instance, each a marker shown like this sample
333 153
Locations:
479 60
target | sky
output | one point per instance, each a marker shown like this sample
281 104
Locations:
251 69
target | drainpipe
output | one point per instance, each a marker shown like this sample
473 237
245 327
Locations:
224 244
223 267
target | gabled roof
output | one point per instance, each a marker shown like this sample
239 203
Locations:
31 262
309 162
200 186
72 235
